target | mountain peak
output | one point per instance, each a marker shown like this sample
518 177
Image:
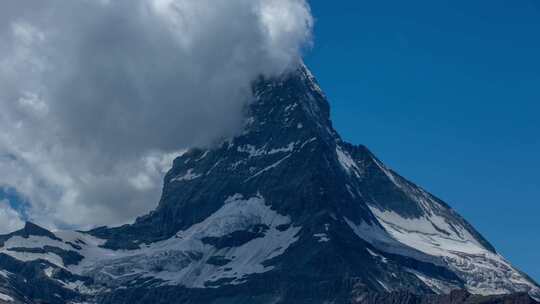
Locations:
31 229
292 103
285 212
290 155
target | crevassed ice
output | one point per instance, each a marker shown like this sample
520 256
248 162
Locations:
182 259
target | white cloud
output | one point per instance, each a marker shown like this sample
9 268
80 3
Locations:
9 218
97 96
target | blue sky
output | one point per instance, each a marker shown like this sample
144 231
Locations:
447 93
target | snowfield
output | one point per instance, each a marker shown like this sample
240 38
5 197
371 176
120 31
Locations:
186 259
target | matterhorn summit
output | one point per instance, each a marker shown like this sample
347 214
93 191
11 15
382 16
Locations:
285 212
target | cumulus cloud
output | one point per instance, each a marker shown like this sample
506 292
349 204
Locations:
9 218
98 96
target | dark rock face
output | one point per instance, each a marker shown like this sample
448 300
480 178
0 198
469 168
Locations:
455 297
236 238
28 283
285 212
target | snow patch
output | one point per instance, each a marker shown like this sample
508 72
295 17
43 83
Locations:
290 107
424 233
6 298
349 189
288 148
322 237
308 142
203 156
189 175
255 152
80 287
437 286
483 271
382 258
312 81
347 162
272 166
388 173
6 274
379 238
384 286
251 150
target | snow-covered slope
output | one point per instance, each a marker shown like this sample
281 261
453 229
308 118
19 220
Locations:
194 258
286 212
440 232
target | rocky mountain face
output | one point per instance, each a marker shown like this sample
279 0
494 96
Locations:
455 297
285 212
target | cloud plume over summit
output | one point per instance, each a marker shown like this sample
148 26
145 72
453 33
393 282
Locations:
98 96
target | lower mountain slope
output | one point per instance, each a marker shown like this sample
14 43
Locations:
455 297
285 212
